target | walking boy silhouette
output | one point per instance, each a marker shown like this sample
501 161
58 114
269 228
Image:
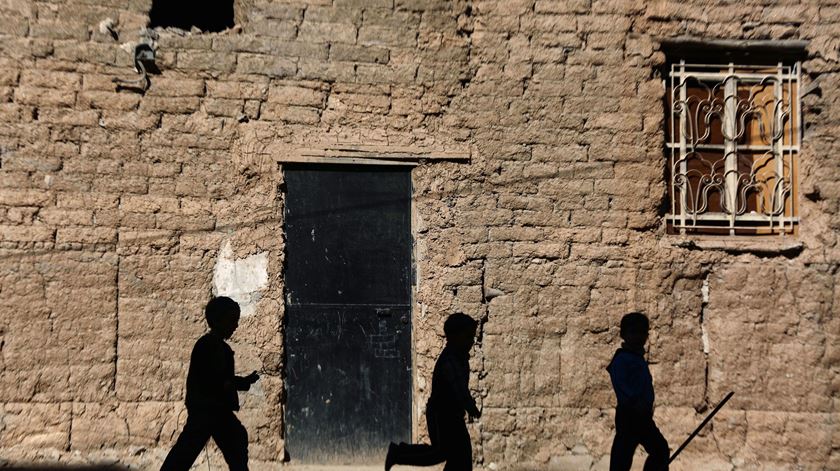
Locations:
211 394
449 400
633 387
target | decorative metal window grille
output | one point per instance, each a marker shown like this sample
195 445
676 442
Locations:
733 139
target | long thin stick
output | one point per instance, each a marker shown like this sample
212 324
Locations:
700 427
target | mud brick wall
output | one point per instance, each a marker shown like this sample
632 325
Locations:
119 211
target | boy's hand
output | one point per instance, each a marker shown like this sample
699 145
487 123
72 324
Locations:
252 378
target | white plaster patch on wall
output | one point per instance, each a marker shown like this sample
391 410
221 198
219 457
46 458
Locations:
242 279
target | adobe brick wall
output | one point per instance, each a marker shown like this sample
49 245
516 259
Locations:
114 208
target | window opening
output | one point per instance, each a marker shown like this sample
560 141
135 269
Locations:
733 138
207 15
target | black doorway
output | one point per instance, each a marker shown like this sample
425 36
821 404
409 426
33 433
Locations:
348 316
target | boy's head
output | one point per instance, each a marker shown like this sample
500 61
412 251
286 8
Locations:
222 314
460 330
634 328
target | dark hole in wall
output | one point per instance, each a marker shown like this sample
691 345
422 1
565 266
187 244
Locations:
207 15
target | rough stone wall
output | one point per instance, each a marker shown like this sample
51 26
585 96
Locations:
117 209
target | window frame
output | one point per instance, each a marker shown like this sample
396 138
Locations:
683 144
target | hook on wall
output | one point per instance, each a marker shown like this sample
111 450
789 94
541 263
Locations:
144 64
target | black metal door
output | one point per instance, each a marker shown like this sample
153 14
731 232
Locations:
348 293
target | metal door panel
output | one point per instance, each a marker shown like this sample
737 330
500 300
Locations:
348 330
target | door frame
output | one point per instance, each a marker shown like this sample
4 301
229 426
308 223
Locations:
413 278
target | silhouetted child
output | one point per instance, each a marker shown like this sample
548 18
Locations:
449 400
211 394
633 386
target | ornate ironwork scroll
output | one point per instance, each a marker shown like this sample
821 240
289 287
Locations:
733 142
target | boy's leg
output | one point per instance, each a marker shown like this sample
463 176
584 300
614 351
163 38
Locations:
416 455
189 444
621 454
421 455
456 445
624 444
656 447
232 439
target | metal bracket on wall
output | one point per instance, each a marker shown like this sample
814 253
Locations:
372 155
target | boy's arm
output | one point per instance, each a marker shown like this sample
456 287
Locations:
243 383
460 385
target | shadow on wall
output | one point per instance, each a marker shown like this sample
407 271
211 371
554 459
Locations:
60 467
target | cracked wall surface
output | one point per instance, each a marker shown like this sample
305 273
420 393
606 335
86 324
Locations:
115 207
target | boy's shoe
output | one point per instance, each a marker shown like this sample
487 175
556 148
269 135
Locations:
389 457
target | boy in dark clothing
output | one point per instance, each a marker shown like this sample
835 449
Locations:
211 394
449 400
633 387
